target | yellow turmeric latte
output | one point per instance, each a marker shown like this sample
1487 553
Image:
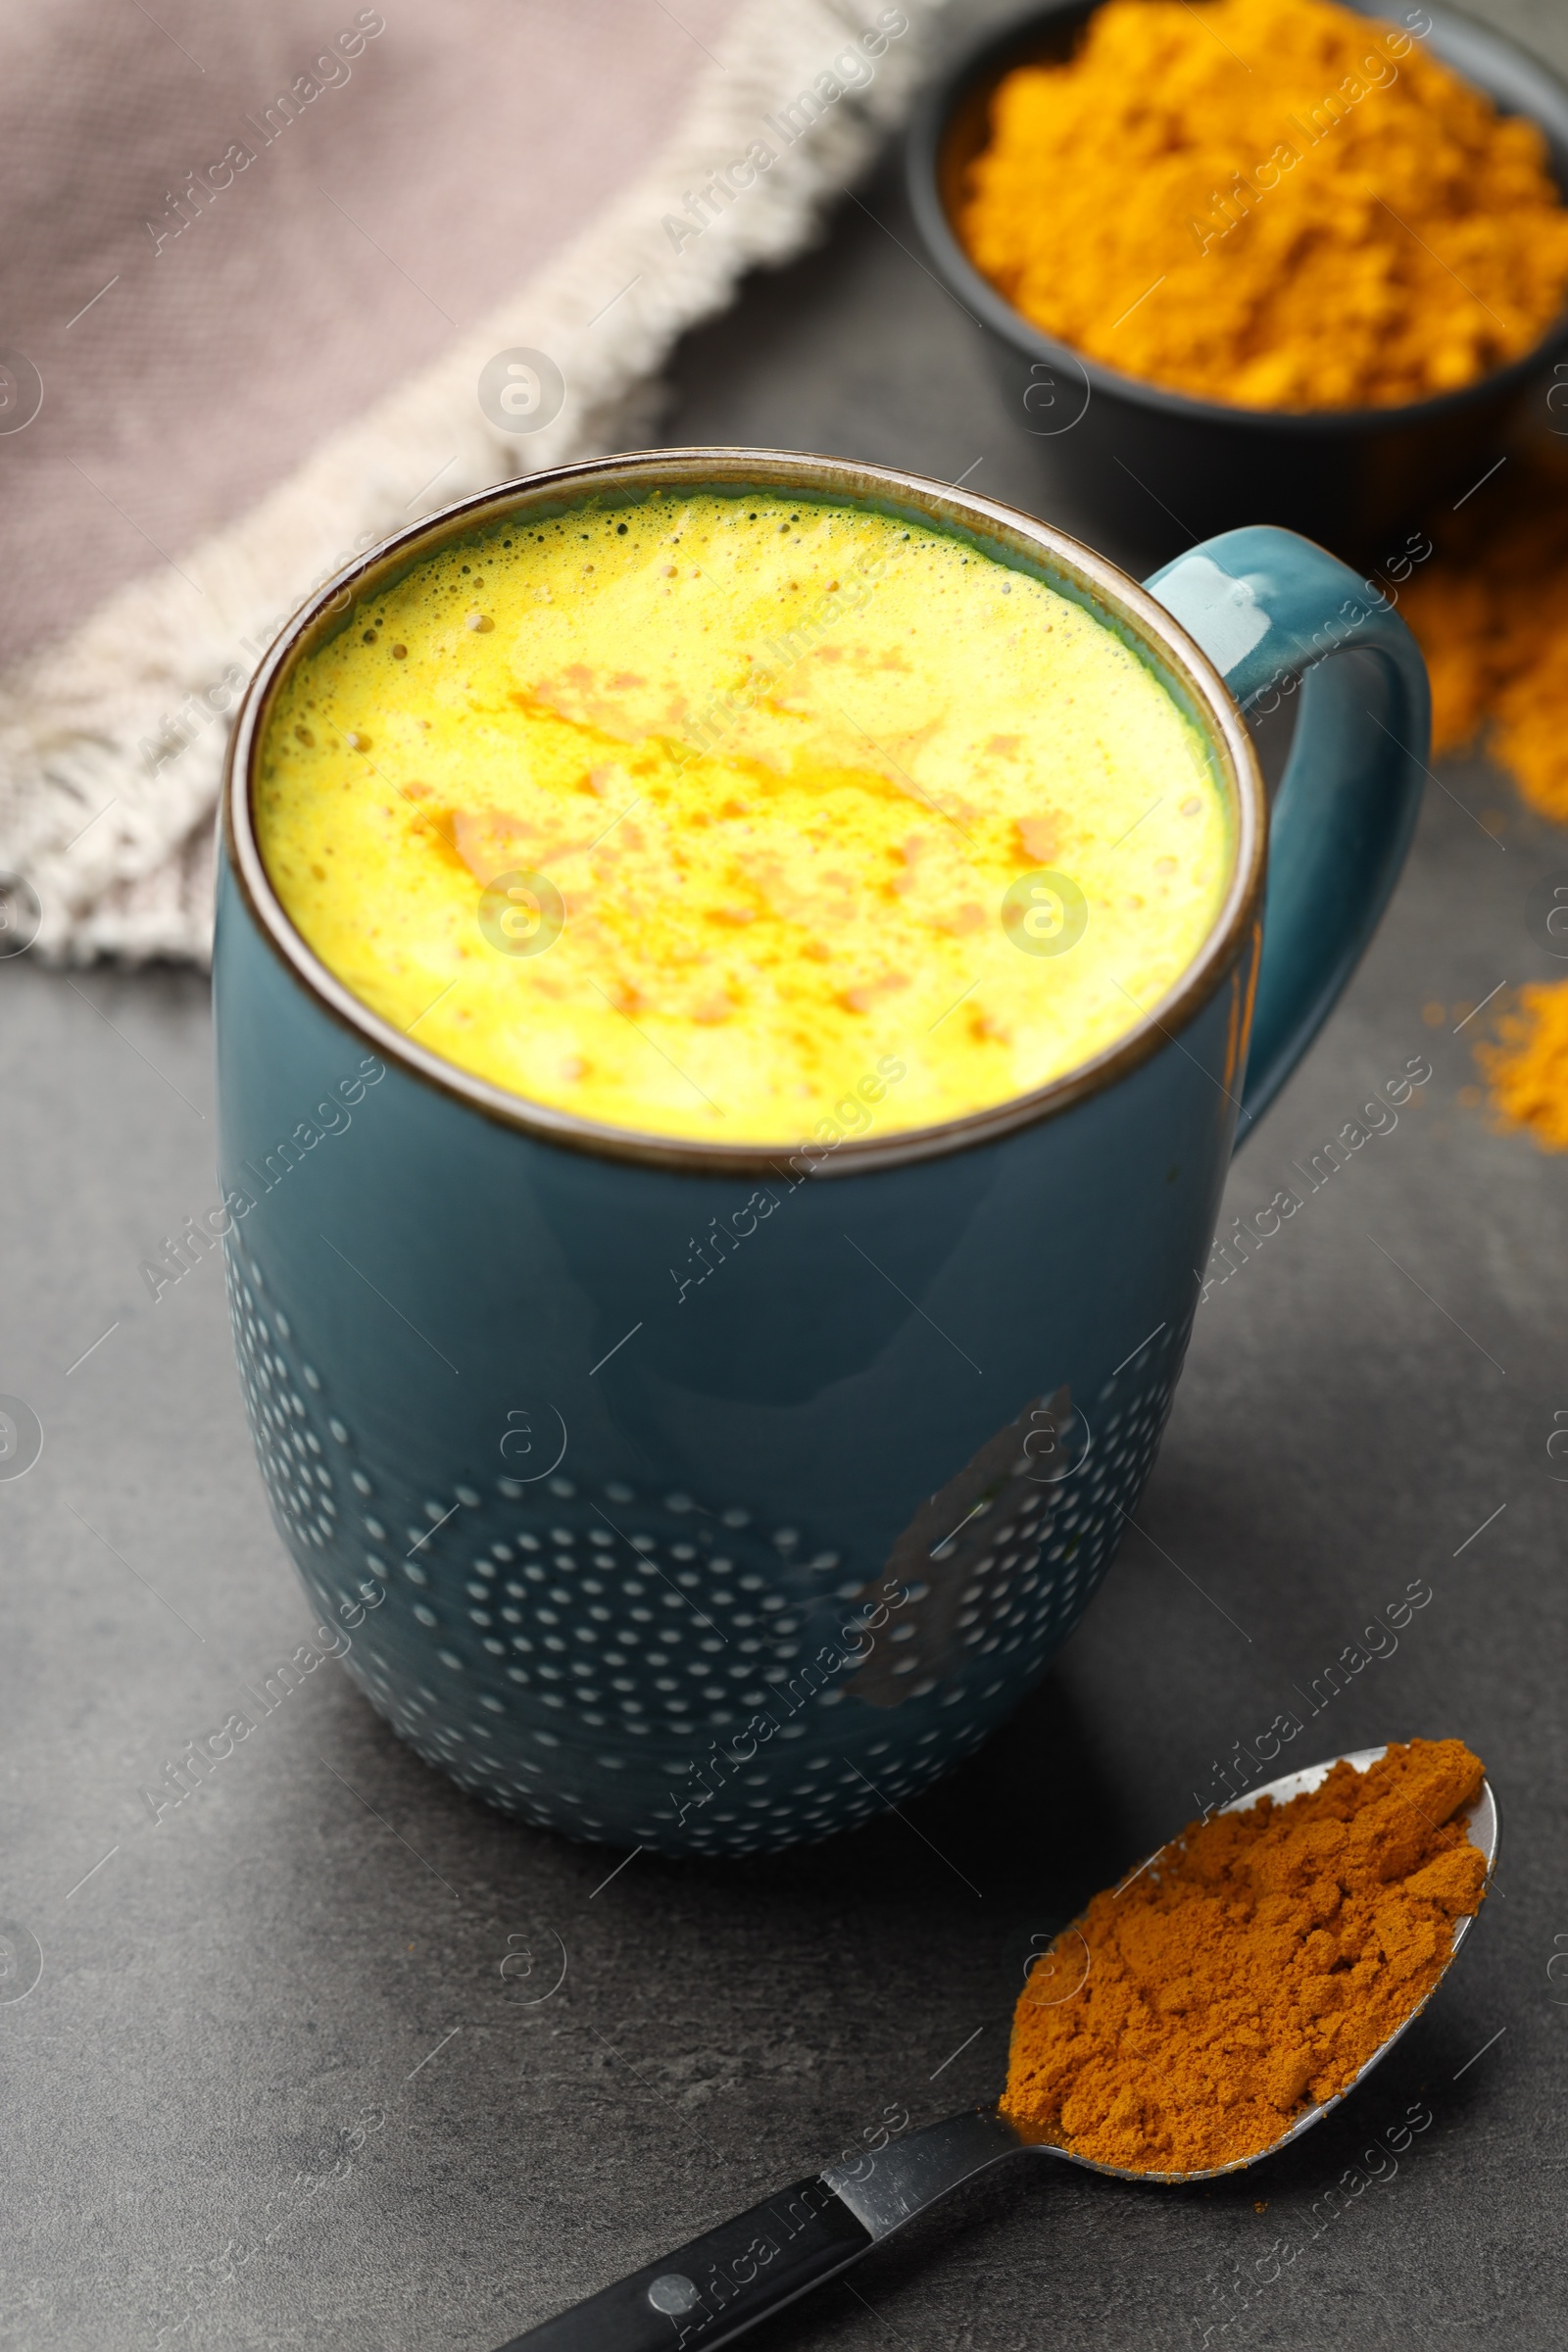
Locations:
741 818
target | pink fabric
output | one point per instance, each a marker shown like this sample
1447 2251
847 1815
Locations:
442 159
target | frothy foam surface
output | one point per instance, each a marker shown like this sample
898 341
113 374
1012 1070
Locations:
741 818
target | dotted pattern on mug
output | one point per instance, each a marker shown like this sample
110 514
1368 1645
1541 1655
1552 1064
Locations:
598 1660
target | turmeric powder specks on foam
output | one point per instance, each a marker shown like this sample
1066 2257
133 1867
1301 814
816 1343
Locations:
1253 1970
1277 203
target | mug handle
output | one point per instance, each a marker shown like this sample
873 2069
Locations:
1269 608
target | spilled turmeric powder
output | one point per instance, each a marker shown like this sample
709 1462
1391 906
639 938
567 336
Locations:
1277 203
1525 1065
1252 1970
1490 616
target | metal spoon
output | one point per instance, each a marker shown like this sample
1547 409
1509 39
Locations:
714 2289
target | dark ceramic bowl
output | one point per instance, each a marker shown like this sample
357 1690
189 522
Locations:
1159 468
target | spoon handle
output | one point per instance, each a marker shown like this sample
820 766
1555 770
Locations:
714 2289
709 2291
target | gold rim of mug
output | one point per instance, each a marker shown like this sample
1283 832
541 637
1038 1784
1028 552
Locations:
638 474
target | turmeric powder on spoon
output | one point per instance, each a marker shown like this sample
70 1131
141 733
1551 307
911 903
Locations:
1251 1969
1270 1954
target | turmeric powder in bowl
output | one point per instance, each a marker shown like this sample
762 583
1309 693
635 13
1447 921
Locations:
1274 203
1251 1969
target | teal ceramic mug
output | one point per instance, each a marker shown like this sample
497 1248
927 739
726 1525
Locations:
720 1573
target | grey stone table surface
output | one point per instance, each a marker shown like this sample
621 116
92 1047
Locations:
270 2086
